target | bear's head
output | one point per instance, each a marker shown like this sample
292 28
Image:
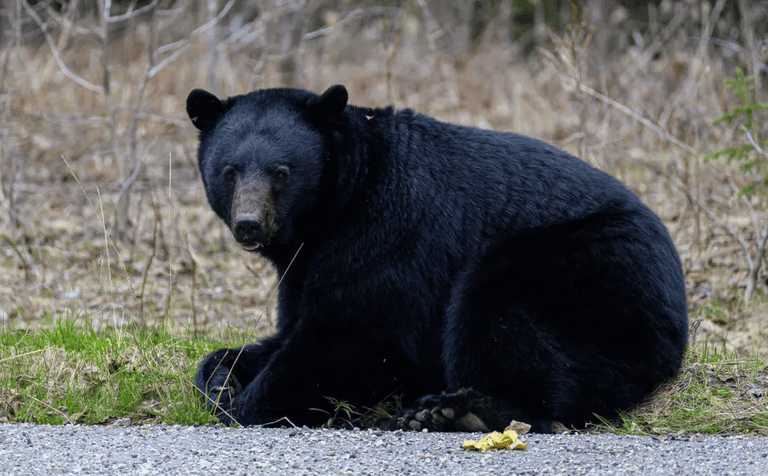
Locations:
263 157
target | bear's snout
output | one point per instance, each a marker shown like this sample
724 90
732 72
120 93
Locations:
253 214
248 231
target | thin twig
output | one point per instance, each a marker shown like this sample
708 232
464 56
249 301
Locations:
626 110
753 142
357 12
103 224
57 55
213 21
170 239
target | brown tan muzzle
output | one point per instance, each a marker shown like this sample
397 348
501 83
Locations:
253 213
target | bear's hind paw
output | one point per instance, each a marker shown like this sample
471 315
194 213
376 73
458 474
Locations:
442 412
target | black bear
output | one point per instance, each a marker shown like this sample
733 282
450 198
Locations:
483 276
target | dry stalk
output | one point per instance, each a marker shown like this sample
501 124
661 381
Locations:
571 51
695 204
135 231
102 222
707 33
193 266
106 253
102 32
169 298
169 53
271 293
253 272
107 19
66 21
151 258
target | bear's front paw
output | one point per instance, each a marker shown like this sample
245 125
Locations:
218 383
221 392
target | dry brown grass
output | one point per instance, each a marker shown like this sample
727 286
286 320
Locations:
57 260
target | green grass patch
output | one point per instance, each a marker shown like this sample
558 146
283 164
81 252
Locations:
715 393
70 373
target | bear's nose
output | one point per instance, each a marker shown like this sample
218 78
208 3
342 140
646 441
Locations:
247 229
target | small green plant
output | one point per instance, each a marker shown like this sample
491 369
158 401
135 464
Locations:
752 157
752 154
344 414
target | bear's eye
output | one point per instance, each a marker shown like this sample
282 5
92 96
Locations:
230 174
281 173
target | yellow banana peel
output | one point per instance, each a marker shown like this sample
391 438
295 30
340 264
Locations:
496 440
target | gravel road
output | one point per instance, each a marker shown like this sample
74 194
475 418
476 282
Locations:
34 449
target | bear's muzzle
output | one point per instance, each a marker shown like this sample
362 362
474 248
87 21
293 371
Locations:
253 213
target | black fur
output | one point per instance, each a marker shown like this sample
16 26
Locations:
482 271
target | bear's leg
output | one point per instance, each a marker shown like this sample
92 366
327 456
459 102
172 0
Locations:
223 374
559 325
500 366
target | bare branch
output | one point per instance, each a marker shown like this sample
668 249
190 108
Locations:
629 112
373 11
67 23
751 139
161 119
168 60
210 24
170 46
55 51
697 206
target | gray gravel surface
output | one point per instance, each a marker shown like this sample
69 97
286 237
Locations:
34 449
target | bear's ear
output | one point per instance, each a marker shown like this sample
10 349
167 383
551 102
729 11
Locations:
204 109
331 103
